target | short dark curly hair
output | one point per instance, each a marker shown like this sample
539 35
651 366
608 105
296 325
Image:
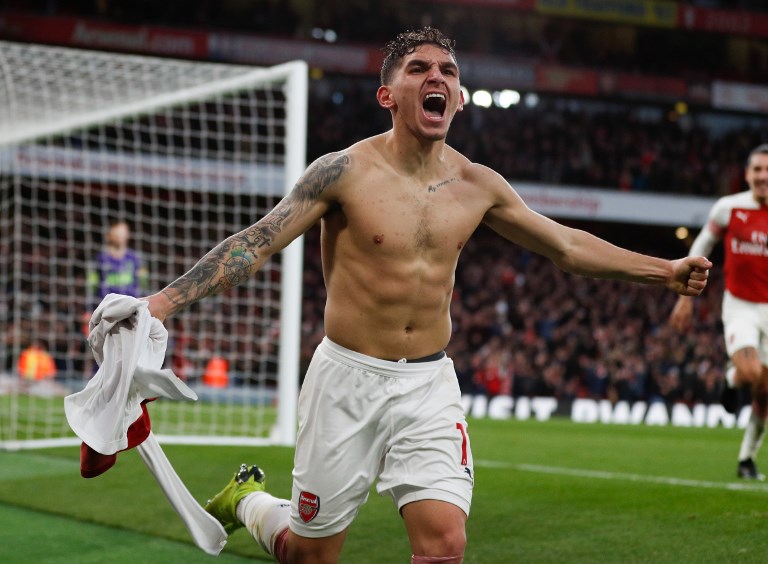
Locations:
406 43
759 150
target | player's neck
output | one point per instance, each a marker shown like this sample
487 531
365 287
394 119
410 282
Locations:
415 155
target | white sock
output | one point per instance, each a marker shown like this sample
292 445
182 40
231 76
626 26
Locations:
265 516
753 437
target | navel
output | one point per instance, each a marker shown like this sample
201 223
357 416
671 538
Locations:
378 239
408 329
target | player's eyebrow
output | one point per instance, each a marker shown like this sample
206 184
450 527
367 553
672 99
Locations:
423 63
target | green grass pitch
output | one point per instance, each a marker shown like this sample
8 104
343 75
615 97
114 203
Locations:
552 491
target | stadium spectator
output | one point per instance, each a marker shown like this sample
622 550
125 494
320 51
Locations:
741 221
36 363
396 211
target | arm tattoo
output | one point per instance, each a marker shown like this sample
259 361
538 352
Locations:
227 265
234 260
317 178
326 171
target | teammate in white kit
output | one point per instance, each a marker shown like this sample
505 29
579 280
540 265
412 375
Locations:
741 222
380 402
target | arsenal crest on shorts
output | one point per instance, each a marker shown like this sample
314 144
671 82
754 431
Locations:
309 505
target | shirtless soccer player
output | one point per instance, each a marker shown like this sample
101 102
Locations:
380 401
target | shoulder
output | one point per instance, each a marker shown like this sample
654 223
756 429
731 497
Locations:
724 206
469 171
481 177
336 162
327 174
343 162
481 174
322 176
738 200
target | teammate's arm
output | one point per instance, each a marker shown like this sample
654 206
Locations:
681 316
579 252
241 255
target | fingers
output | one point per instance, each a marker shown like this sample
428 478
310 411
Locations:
699 274
699 267
694 285
692 292
697 281
697 277
700 263
695 288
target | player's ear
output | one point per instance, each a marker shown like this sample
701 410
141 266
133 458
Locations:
384 96
461 100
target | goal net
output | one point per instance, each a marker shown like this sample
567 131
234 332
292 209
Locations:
182 154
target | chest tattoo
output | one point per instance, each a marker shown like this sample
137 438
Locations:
434 187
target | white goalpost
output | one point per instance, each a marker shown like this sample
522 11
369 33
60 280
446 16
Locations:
186 153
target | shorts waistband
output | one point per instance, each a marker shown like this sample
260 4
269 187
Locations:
428 358
391 367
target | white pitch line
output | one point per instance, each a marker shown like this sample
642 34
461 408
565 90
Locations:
603 475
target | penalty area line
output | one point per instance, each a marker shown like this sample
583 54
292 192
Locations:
604 475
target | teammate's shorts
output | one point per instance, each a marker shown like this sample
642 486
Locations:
362 419
745 324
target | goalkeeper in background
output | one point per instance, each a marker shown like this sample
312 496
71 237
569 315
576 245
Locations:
381 402
117 269
741 221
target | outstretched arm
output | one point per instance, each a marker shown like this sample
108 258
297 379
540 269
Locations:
582 253
241 255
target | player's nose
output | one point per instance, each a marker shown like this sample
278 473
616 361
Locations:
435 74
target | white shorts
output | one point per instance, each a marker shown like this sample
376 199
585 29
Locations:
745 324
362 419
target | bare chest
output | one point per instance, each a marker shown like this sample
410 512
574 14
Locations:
411 218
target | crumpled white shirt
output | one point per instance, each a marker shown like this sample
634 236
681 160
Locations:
129 347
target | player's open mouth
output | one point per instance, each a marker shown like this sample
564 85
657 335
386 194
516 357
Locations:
434 105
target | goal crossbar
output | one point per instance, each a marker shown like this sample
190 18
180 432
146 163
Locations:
15 133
